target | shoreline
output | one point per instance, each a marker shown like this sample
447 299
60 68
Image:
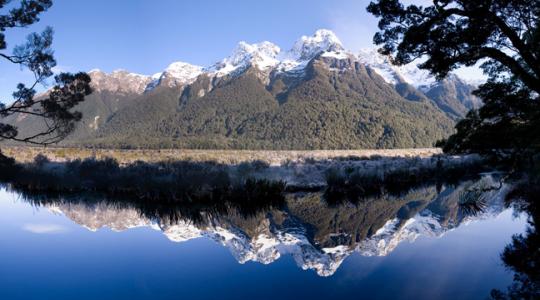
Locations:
273 157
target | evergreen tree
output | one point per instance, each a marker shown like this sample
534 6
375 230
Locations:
503 35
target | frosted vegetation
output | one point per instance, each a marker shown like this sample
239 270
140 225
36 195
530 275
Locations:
212 181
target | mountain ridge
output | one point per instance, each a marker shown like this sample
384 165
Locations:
316 95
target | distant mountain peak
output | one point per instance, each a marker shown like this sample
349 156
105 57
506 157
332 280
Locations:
266 55
393 74
176 74
181 68
119 80
262 55
180 73
307 47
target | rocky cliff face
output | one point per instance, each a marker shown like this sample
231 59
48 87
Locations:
120 81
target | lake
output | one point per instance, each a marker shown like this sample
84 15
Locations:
421 244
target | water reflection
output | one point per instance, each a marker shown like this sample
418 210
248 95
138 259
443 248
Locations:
522 256
317 234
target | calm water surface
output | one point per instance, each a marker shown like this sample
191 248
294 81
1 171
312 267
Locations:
420 245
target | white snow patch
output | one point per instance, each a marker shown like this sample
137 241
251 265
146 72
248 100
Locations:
262 55
336 55
393 74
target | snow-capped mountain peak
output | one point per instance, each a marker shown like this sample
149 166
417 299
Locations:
182 70
267 56
262 55
308 47
176 74
271 61
393 74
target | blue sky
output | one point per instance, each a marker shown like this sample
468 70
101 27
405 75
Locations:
145 36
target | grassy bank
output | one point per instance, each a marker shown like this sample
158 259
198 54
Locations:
27 154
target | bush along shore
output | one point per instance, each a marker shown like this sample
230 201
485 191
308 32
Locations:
188 181
175 181
356 184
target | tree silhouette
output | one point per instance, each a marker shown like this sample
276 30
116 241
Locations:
522 255
503 35
54 107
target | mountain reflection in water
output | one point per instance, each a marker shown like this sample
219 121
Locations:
318 235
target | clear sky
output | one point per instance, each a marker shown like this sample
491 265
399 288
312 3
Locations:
145 36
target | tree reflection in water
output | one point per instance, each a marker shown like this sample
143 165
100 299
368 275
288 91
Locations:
522 256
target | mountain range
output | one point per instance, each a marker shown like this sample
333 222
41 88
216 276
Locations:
316 95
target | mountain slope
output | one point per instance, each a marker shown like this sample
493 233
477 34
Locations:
452 95
327 108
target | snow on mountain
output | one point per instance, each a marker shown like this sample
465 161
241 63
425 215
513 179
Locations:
393 74
267 57
181 231
427 223
336 55
386 239
266 248
155 81
262 55
95 217
176 74
306 48
309 257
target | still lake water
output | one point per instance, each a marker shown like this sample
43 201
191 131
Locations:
419 245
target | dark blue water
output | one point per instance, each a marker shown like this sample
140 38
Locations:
418 246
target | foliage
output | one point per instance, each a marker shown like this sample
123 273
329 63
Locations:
355 184
179 181
7 167
522 256
502 34
508 121
53 110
